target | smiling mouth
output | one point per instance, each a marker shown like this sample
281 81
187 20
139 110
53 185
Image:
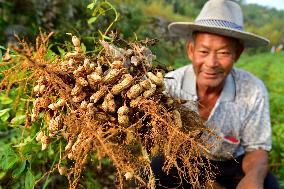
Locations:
210 75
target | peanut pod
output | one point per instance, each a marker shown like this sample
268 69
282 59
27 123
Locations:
146 84
69 55
39 136
84 105
94 78
170 102
128 175
86 63
55 124
161 88
100 116
44 142
80 97
123 120
99 94
44 146
160 75
99 70
117 64
134 91
39 89
92 66
113 75
82 81
108 105
91 109
177 118
56 105
71 62
78 49
80 71
62 170
156 80
124 84
69 145
36 109
135 102
123 110
76 41
150 92
76 90
89 67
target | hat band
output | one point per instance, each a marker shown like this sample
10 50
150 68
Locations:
219 23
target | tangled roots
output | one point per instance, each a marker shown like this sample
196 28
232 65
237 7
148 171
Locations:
109 105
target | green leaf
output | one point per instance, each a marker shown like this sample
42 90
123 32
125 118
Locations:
29 180
18 120
4 114
95 11
101 11
4 99
8 159
61 51
91 5
105 161
1 55
4 111
19 169
24 143
83 47
104 36
49 54
5 117
92 20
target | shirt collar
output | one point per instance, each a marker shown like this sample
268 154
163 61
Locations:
189 81
229 90
189 85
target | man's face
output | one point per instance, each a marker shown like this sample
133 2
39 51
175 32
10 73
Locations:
212 58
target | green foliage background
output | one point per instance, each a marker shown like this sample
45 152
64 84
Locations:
21 160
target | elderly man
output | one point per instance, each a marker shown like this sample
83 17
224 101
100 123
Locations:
233 103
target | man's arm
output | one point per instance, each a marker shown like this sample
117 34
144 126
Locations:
255 167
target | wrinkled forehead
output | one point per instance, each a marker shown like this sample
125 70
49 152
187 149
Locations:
200 35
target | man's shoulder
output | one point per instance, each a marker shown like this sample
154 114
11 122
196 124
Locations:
179 72
247 82
174 80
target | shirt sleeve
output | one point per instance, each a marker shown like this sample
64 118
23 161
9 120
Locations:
256 132
173 82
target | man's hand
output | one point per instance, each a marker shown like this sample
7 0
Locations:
255 167
249 182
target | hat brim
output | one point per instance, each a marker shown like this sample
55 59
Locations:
185 30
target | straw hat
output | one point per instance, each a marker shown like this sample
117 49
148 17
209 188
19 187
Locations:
221 17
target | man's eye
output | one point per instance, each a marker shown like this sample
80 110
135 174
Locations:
203 52
224 52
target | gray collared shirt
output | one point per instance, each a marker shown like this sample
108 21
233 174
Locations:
240 116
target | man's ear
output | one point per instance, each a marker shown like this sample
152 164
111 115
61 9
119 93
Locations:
239 51
189 49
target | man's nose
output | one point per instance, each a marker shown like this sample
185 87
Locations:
212 60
